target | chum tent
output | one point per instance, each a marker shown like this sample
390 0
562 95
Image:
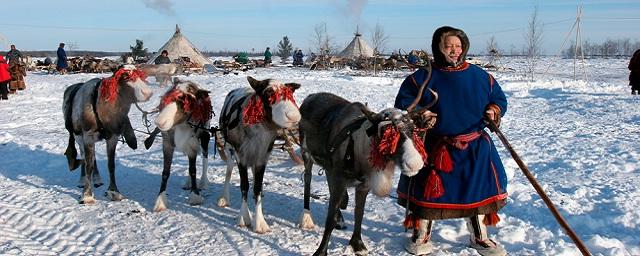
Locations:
357 48
179 46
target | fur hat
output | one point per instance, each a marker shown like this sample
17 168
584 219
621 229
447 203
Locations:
437 45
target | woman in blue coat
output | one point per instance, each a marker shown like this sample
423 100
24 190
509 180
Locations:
465 177
62 60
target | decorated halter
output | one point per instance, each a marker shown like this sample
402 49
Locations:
385 143
109 89
254 112
197 106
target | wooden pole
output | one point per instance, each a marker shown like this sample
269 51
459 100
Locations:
563 223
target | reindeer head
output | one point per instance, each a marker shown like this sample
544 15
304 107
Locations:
396 141
184 101
273 100
126 81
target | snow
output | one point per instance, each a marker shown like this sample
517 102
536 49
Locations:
579 138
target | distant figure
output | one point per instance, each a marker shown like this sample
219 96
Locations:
163 58
634 77
62 60
13 56
267 57
297 59
5 77
241 58
413 59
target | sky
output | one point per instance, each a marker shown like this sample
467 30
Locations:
252 25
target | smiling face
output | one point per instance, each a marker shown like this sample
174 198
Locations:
452 49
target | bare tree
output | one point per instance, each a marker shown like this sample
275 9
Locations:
322 42
379 39
533 39
492 45
73 46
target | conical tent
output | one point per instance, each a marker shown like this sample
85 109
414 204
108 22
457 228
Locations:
357 48
179 46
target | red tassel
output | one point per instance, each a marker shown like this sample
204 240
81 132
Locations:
433 188
443 160
411 222
382 149
109 89
253 113
419 144
491 219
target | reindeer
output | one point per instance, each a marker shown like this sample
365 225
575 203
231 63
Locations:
355 147
96 110
250 121
185 113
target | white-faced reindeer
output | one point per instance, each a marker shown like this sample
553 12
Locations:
185 114
356 147
250 120
96 110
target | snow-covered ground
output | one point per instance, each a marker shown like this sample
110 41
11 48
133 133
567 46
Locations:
580 139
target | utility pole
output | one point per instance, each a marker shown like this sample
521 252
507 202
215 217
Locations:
579 46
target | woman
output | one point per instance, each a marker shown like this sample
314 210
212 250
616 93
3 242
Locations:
5 77
464 177
62 60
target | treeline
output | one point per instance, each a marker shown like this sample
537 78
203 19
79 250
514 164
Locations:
608 48
42 54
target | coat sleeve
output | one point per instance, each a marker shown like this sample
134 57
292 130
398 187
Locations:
409 90
497 95
406 94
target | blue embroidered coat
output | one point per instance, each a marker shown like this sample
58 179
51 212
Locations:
478 177
62 58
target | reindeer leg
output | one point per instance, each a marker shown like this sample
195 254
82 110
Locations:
244 218
339 218
89 149
194 197
152 136
129 135
167 153
72 153
97 180
112 192
205 137
356 240
260 226
224 199
337 188
306 220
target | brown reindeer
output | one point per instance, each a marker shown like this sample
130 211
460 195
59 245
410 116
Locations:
355 147
96 110
185 113
250 121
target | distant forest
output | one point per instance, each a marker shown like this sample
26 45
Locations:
100 54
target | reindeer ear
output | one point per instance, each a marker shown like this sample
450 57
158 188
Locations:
370 115
257 85
293 86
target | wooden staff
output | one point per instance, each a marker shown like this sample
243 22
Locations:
567 229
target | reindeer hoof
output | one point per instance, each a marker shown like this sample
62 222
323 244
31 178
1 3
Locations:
114 195
88 200
161 203
306 221
260 226
223 202
195 199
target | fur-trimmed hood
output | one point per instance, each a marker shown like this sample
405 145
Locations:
437 44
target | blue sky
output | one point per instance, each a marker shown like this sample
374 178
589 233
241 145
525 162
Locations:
249 25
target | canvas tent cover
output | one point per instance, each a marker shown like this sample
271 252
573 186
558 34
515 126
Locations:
179 46
357 48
